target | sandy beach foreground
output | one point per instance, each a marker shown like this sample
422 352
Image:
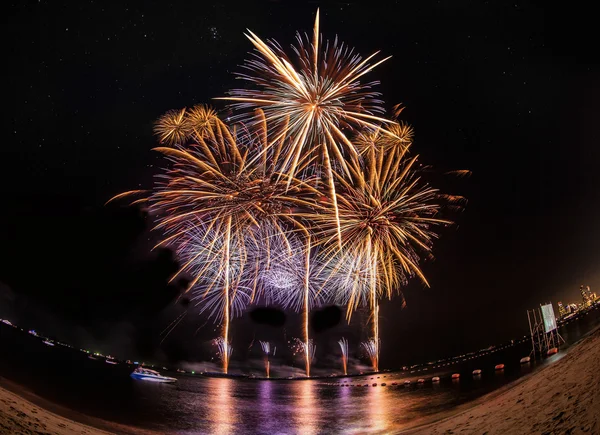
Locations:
19 416
563 398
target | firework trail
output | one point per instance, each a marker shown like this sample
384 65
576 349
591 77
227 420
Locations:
266 348
224 350
314 193
314 100
307 349
222 186
290 276
344 347
386 215
371 347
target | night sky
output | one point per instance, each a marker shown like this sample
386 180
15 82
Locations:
509 90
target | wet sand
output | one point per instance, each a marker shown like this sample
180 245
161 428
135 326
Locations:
24 413
18 416
563 398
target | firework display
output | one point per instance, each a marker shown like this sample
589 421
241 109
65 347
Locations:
224 351
371 347
266 348
309 196
344 347
384 215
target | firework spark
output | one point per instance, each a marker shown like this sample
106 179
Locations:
290 275
289 272
173 127
217 262
177 127
344 347
321 93
371 347
314 191
223 184
266 348
224 350
307 349
316 100
385 215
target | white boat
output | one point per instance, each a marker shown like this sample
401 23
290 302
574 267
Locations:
143 374
525 360
435 379
476 372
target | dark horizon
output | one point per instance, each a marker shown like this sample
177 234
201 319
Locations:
504 90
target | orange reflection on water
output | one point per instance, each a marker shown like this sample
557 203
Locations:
306 407
378 409
221 412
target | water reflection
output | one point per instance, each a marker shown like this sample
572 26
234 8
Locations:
306 409
199 405
267 412
378 409
221 412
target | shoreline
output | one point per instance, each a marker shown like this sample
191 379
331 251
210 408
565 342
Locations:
22 412
556 399
559 398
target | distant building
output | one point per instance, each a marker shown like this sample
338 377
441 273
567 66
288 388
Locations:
573 307
586 295
562 312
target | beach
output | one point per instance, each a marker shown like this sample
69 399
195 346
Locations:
19 416
28 414
562 398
